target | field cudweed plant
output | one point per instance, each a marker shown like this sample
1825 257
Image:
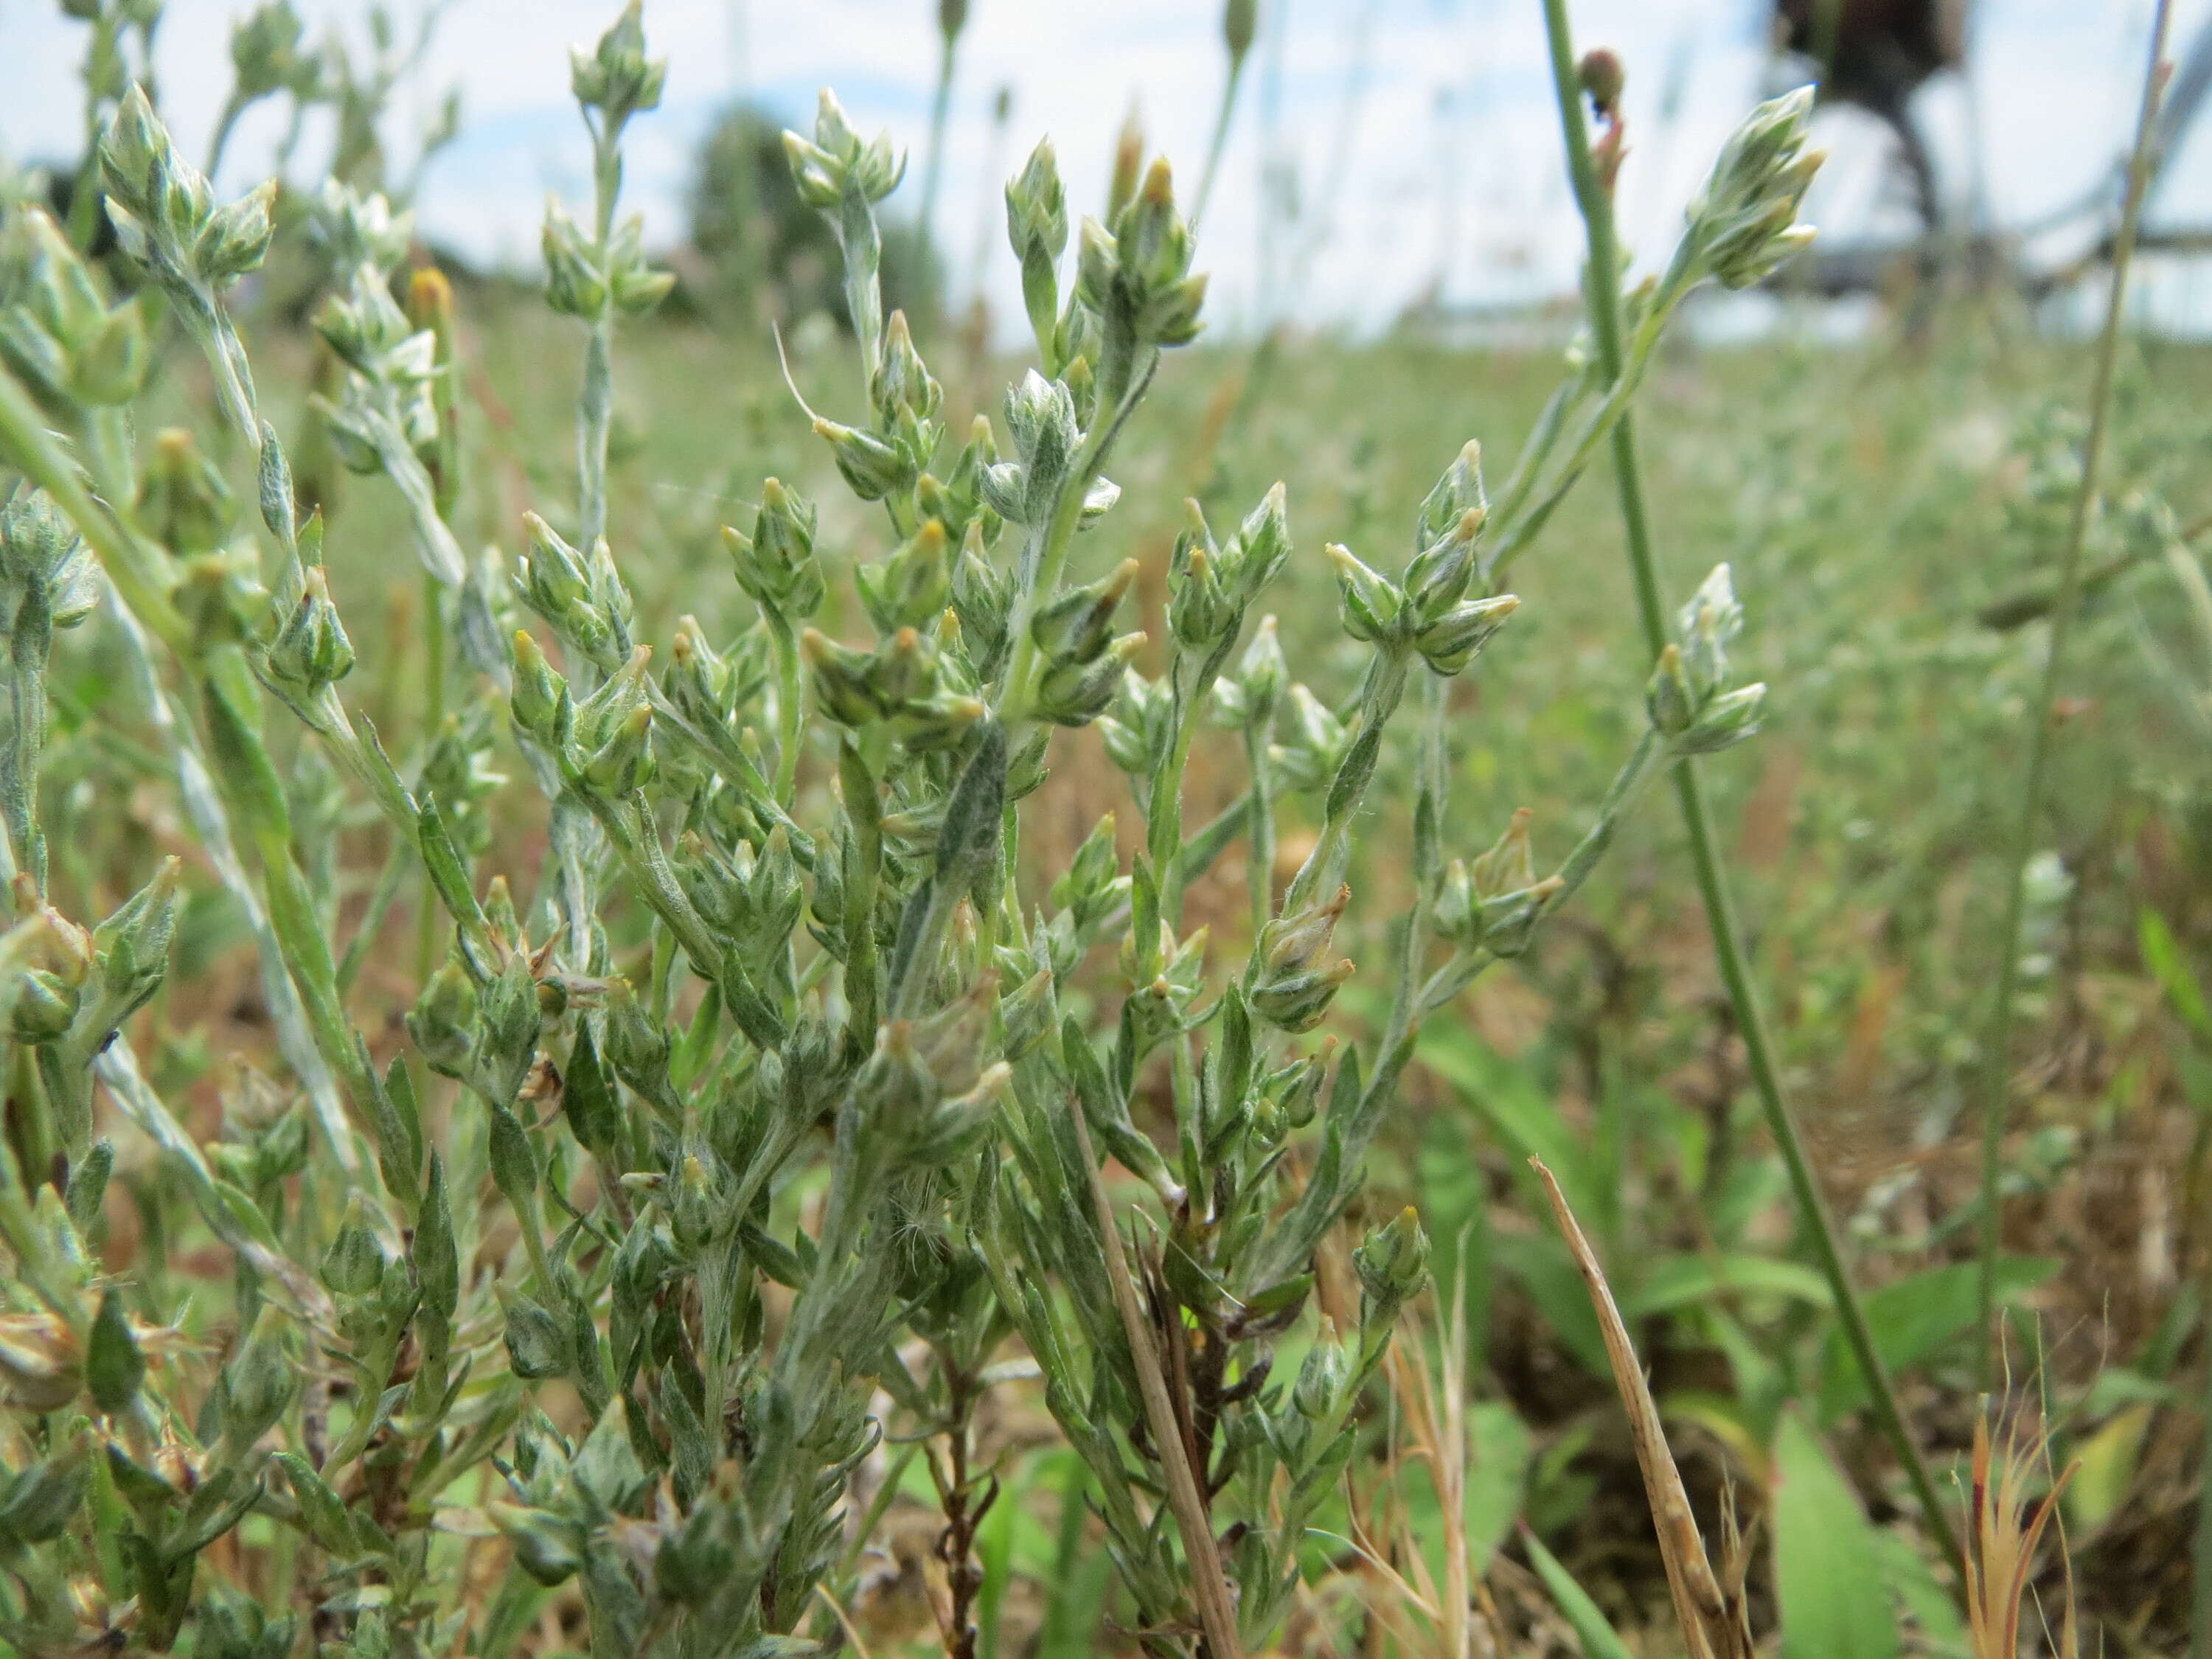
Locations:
787 1114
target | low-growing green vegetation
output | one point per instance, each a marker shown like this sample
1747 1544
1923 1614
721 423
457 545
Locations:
678 991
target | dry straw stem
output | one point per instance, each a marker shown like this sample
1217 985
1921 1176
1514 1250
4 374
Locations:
1595 198
1435 1407
1714 1622
1997 1052
1216 1612
2005 1528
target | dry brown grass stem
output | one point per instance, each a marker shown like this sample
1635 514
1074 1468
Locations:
1714 1621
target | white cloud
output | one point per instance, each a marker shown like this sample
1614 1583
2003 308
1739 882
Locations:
1449 169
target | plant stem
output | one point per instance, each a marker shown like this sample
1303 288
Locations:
790 705
1996 1049
1216 1612
933 172
1220 140
2200 1623
1602 280
1260 837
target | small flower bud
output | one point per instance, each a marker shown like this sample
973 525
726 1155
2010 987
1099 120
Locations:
539 702
354 1263
873 466
536 1346
1318 1393
130 949
1288 943
184 499
1036 208
1704 626
1392 1264
113 1367
902 388
1263 544
636 1045
616 76
43 1009
623 762
443 1021
1075 694
1509 865
843 687
909 588
1667 696
258 1384
1451 642
1438 576
1260 674
1297 1001
1372 601
310 649
1075 626
776 564
1727 720
836 162
1240 22
1602 79
234 239
1028 1015
1452 497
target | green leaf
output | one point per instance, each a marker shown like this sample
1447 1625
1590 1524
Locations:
588 1099
2161 954
1540 1264
1926 1598
1914 1319
1599 1639
2105 1468
1828 1575
1520 1112
113 1367
1680 1281
1499 1449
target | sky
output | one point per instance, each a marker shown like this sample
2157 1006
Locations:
1417 136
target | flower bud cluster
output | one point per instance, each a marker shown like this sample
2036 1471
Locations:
1692 702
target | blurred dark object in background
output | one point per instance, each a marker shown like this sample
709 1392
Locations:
767 253
1874 55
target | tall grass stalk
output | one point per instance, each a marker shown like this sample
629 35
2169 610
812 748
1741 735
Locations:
1995 1091
1593 197
1239 21
951 18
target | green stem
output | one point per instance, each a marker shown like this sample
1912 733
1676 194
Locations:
233 107
790 704
28 643
1260 837
434 669
1060 530
102 64
933 175
1163 817
396 864
1997 1045
2200 1627
1220 140
594 421
1603 279
1324 867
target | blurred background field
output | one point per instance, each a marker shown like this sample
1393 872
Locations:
1889 481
